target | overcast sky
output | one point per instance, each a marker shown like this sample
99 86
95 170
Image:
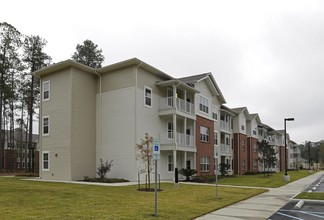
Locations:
265 55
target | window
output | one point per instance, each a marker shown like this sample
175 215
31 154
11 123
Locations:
204 164
243 164
255 164
243 145
227 141
170 163
204 134
188 164
46 91
46 161
215 112
242 127
215 138
147 97
203 104
170 130
46 124
255 147
254 132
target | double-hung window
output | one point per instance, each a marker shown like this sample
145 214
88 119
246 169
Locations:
46 90
170 163
243 165
148 97
204 164
215 138
204 134
46 164
46 125
170 130
203 104
215 112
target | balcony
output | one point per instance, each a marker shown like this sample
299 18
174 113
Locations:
182 140
225 125
226 150
183 107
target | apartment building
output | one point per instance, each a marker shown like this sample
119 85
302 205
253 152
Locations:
294 155
91 114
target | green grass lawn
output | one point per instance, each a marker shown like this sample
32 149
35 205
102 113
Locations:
274 180
312 195
22 199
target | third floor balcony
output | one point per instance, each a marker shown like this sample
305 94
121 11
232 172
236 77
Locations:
181 107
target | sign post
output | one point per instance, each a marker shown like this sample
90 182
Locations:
156 157
216 171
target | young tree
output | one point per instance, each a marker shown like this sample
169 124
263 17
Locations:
188 173
10 42
104 168
223 167
35 58
145 153
88 54
267 155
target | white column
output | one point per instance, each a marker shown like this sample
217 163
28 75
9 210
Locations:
194 161
185 160
175 130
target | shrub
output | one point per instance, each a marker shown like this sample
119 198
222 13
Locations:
188 173
204 179
104 168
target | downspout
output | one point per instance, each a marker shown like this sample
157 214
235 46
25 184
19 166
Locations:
100 100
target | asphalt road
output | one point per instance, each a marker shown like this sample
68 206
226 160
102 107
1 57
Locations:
309 211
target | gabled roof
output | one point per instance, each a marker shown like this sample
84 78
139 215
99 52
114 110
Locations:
266 127
242 109
210 82
178 83
256 117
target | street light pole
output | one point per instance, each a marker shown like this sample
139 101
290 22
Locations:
286 162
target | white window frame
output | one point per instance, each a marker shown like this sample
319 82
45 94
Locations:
149 97
215 112
243 145
170 164
203 104
48 90
204 164
243 165
204 134
48 125
48 161
255 164
255 148
170 131
215 138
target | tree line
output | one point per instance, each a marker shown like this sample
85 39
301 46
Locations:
20 55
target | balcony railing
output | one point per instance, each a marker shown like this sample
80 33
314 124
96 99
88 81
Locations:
225 125
226 149
182 105
183 140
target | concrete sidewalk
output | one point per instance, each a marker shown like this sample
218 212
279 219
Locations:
263 205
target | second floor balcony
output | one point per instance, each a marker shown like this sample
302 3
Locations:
226 150
181 107
225 125
181 140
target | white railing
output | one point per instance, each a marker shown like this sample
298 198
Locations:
183 140
225 125
226 149
182 105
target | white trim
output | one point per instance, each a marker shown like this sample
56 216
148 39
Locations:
207 106
148 88
49 90
170 162
48 160
48 117
217 138
168 130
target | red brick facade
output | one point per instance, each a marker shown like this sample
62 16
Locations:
253 157
205 149
240 153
